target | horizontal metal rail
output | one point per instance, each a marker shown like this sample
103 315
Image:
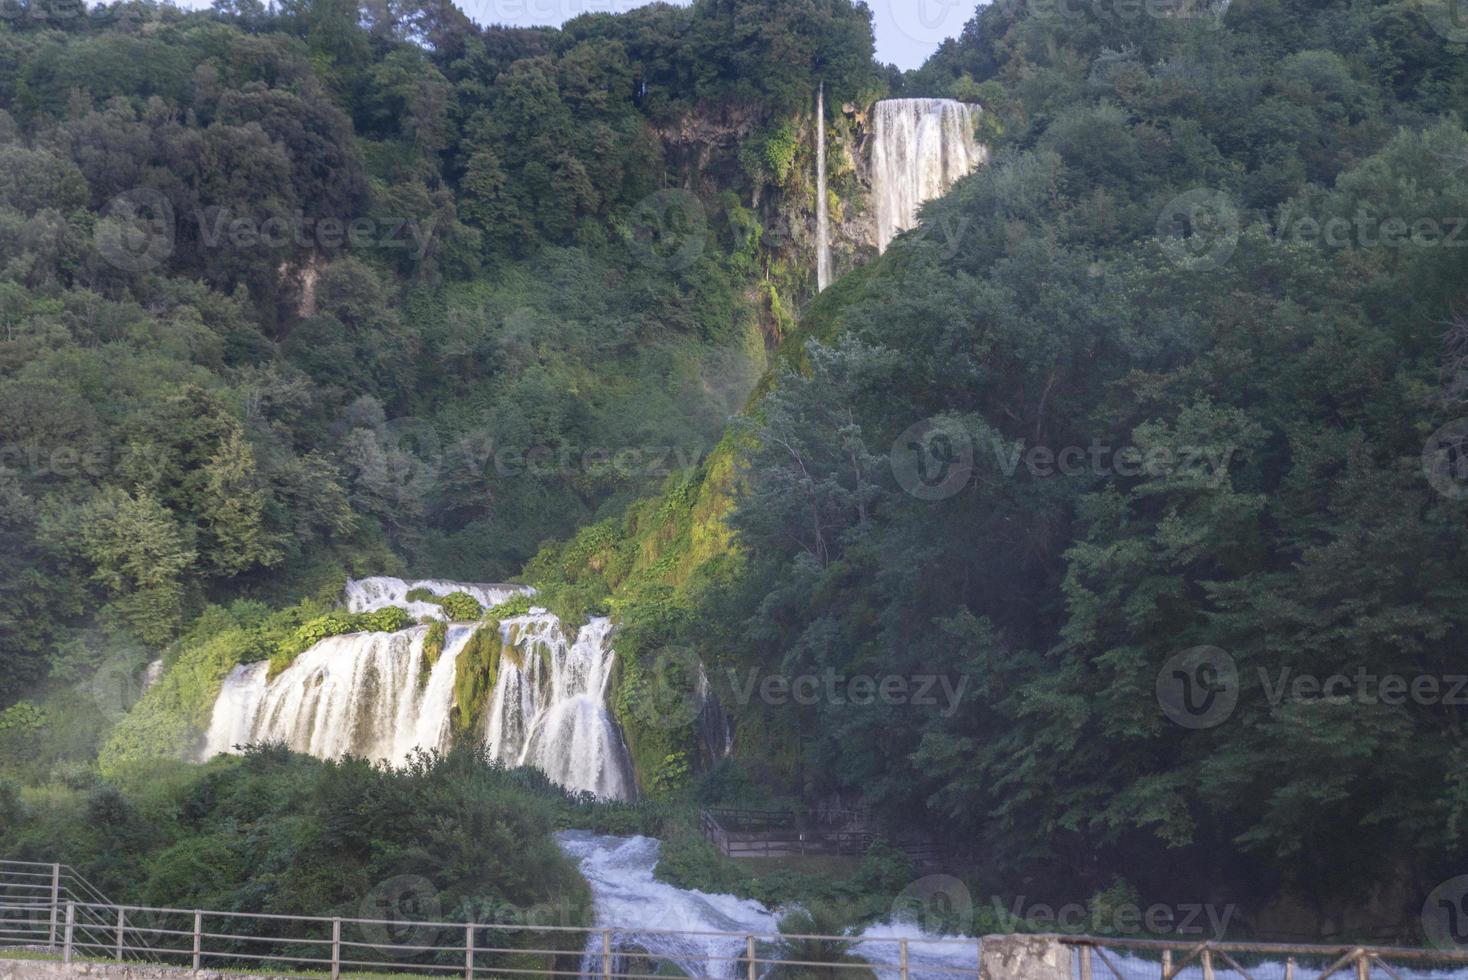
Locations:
1213 956
316 945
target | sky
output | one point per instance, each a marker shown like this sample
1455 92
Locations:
907 30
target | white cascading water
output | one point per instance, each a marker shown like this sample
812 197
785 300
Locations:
372 594
823 206
549 705
362 694
920 148
358 694
628 897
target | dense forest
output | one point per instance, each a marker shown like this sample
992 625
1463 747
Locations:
319 290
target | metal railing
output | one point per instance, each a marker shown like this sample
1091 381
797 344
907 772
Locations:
33 898
51 907
1152 959
309 945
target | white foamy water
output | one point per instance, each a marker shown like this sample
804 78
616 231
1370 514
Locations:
929 956
365 695
619 871
628 898
920 148
359 694
372 594
549 706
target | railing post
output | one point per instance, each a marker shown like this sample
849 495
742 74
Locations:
336 949
469 952
749 952
1085 963
1207 964
198 940
1167 965
606 954
121 926
1290 969
902 959
70 931
1363 965
55 902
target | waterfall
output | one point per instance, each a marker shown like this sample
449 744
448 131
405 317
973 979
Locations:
549 705
920 148
360 694
620 873
372 594
690 930
365 694
823 206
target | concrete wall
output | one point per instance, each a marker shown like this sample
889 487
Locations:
1026 958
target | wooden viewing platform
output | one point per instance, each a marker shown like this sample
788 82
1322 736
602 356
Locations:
743 833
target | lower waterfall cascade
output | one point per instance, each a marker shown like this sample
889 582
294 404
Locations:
549 709
362 694
683 927
920 148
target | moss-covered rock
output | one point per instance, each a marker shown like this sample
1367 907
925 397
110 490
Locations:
475 673
433 643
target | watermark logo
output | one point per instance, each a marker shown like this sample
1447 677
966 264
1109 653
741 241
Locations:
119 682
1450 19
930 21
402 458
136 230
934 459
1199 230
1198 688
671 695
940 905
1445 914
668 230
1445 460
400 914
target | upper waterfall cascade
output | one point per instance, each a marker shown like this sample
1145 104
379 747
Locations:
364 694
823 204
920 148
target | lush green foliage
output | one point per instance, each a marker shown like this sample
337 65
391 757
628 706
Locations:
516 605
1309 375
208 389
288 835
389 619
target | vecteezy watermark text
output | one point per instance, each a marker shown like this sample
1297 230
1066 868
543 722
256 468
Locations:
222 227
937 458
860 690
1120 919
1201 687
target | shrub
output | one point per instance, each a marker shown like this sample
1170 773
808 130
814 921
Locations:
461 607
515 605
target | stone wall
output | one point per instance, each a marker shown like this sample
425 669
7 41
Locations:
54 969
1026 958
